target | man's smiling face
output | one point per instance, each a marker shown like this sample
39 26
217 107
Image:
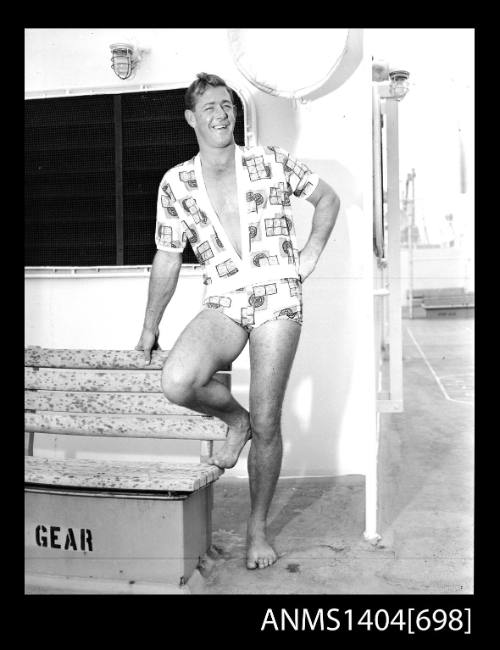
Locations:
213 117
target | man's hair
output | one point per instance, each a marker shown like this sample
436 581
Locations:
199 86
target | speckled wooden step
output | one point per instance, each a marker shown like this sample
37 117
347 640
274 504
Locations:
100 402
79 358
119 475
68 358
131 426
135 381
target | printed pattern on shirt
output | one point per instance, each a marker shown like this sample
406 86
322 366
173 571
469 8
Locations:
254 234
191 207
204 252
256 201
287 250
277 226
169 195
189 179
217 245
257 168
226 268
264 258
268 178
165 237
168 200
296 173
191 233
279 195
294 286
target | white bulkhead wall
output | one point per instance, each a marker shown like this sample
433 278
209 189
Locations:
329 411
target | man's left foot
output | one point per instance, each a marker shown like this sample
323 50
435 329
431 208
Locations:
260 554
228 455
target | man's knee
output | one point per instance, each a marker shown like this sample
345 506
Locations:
178 386
265 426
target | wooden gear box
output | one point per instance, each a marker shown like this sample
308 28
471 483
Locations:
115 526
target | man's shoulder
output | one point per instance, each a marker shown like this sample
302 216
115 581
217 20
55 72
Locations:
263 150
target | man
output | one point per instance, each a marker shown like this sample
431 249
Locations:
233 204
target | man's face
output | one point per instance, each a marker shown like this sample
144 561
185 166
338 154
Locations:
213 117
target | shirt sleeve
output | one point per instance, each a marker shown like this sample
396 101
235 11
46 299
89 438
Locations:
170 233
301 180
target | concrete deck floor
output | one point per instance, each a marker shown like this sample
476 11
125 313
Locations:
425 495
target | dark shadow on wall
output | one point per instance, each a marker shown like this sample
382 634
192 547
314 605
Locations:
322 373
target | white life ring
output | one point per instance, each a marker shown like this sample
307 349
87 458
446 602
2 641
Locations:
296 62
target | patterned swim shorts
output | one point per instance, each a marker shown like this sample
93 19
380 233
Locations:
256 304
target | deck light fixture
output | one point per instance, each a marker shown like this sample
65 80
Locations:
124 59
399 84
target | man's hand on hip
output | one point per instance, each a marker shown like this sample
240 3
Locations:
307 264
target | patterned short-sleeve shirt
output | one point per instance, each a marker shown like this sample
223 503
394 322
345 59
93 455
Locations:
266 179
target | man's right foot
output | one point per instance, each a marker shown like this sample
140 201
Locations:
228 455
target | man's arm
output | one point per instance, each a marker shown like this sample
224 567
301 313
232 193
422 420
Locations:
326 208
162 283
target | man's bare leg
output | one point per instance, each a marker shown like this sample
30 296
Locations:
272 350
209 343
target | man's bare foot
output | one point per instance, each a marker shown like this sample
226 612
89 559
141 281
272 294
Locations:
260 554
228 455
